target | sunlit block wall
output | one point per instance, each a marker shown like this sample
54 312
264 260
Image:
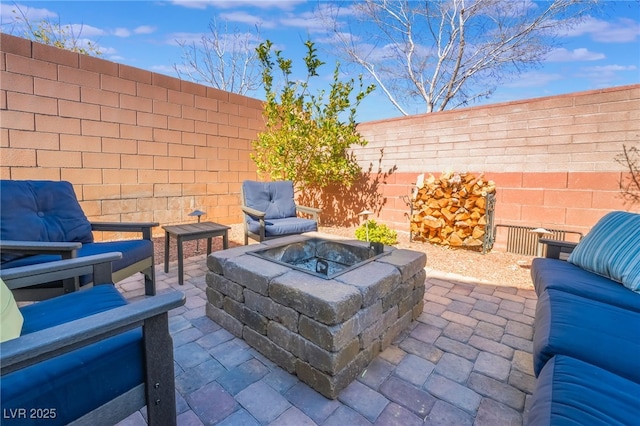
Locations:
553 158
137 145
142 146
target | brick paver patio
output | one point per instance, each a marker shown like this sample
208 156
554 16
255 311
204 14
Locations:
465 361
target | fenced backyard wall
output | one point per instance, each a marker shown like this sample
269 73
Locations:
137 145
142 146
553 158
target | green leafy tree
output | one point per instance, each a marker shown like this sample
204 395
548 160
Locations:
307 136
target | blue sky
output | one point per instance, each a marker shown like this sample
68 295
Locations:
603 51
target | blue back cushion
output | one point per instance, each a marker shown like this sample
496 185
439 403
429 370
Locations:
44 211
594 332
273 198
612 249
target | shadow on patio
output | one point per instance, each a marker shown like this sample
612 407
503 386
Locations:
466 360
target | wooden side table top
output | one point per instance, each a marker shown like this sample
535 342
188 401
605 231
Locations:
195 230
189 232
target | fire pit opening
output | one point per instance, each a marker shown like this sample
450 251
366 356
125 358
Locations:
323 258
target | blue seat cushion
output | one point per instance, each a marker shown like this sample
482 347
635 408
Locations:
62 309
77 382
595 332
46 211
557 274
279 227
572 392
132 251
276 199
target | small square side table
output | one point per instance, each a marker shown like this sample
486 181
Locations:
190 232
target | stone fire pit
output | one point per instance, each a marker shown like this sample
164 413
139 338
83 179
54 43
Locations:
325 329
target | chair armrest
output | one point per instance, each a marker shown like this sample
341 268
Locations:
144 227
24 276
314 212
67 250
48 343
558 249
253 212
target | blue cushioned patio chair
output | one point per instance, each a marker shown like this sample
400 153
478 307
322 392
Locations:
87 357
42 221
271 212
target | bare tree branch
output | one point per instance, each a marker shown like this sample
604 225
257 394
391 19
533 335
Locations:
630 184
223 59
443 54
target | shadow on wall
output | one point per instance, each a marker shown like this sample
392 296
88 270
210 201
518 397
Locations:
341 204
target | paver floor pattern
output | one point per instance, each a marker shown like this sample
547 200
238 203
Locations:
465 361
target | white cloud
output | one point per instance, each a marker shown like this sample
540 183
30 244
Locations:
307 20
191 4
534 79
606 75
144 29
247 18
126 32
163 69
230 4
174 38
612 68
622 30
109 51
10 10
337 38
84 30
580 54
121 32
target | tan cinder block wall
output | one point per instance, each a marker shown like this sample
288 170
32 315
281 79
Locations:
137 145
142 146
553 158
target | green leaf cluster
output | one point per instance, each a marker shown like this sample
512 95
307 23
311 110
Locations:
378 233
307 136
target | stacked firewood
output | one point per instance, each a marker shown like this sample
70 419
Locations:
451 210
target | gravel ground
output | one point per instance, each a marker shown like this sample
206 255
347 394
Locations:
496 267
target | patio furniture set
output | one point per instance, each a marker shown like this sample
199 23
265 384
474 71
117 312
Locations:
61 358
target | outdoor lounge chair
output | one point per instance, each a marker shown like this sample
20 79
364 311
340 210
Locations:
42 221
86 357
270 211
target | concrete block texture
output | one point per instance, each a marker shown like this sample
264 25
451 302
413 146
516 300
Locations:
127 111
552 158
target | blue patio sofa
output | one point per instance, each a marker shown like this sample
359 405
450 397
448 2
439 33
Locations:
586 344
86 357
42 221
